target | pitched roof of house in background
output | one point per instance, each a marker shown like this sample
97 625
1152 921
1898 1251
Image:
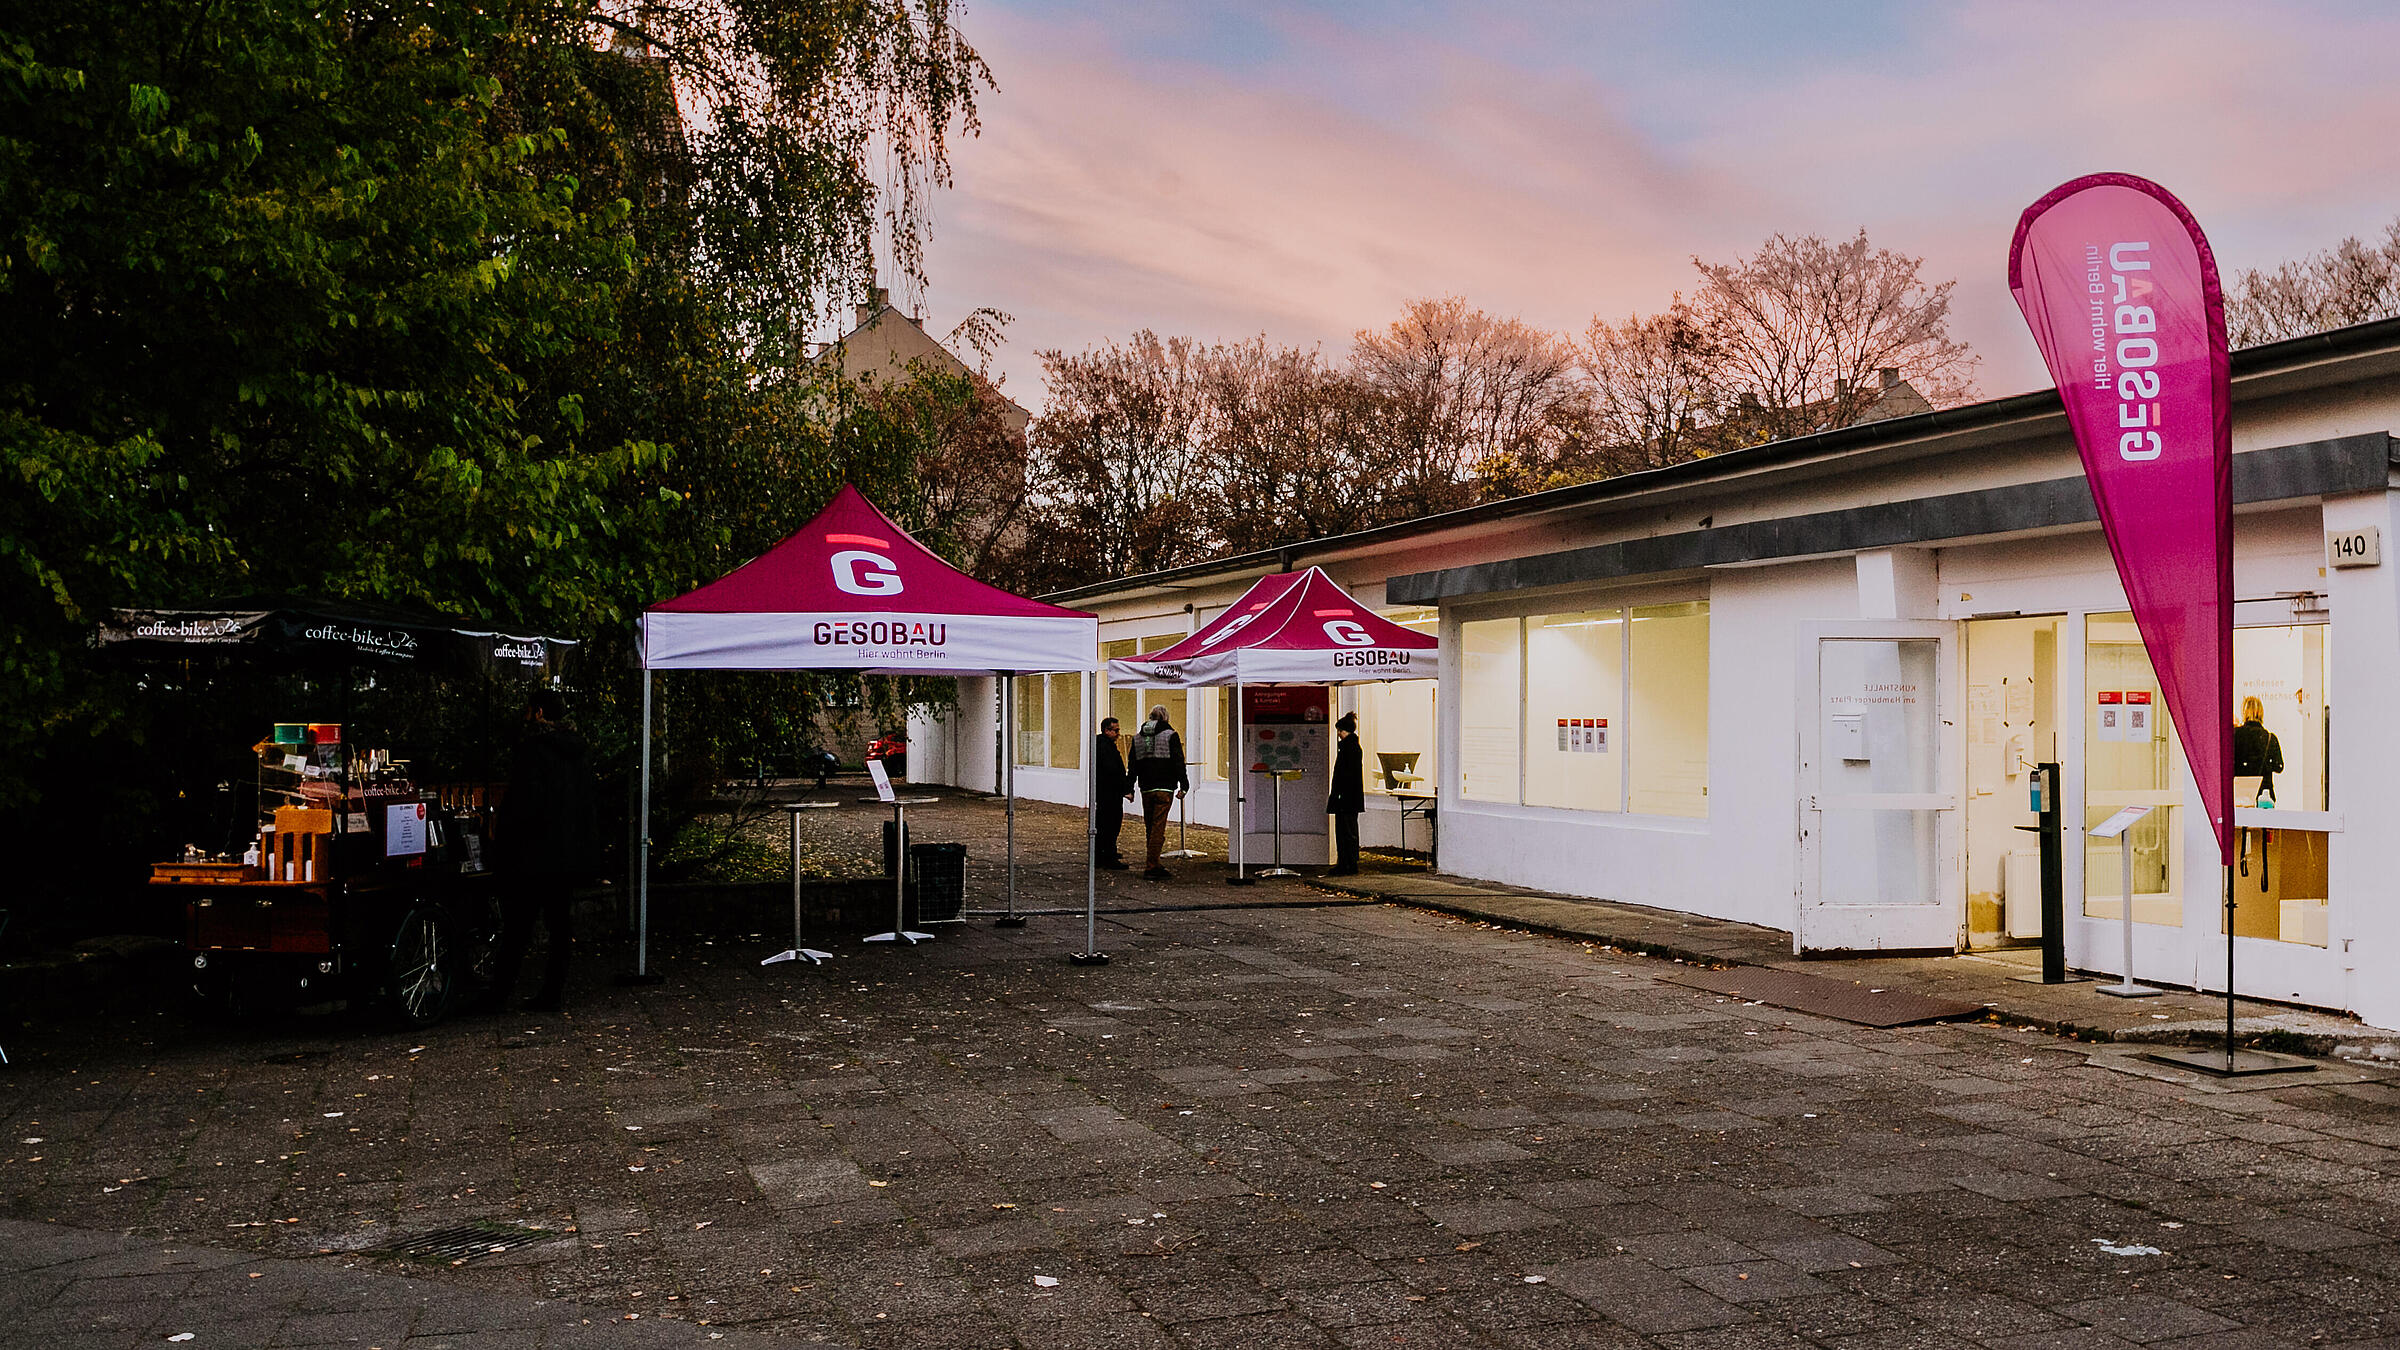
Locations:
883 343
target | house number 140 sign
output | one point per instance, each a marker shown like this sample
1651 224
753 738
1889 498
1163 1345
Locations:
2362 547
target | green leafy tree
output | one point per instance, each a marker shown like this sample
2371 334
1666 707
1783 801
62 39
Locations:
483 308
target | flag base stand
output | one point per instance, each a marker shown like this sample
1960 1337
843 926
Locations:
1241 881
635 979
1087 958
2129 990
2238 1064
1008 923
808 954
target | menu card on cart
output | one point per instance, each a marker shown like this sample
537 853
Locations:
404 829
883 780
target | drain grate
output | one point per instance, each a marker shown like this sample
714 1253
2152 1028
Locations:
468 1242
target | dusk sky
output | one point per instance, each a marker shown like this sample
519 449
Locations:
1302 169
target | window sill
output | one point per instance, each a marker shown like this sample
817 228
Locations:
1614 820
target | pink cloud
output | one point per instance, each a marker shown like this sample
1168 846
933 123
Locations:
1110 193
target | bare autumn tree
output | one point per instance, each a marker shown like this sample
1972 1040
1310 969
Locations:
970 467
1116 462
1295 448
2353 282
1470 397
1803 325
1655 387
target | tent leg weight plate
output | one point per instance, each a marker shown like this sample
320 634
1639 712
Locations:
1087 958
1008 923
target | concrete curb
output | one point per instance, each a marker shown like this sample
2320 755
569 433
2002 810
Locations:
2298 1032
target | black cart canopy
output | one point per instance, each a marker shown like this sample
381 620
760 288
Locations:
331 634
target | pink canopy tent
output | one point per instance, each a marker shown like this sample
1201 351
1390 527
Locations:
853 591
1290 628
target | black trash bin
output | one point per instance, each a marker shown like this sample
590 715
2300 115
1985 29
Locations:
937 877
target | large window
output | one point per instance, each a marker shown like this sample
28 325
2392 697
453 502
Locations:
1124 704
2284 668
1131 704
1491 694
2280 883
1397 728
1667 712
1049 727
2130 758
1574 710
1596 710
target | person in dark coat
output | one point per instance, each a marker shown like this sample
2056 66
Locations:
1348 797
549 839
1112 787
2256 751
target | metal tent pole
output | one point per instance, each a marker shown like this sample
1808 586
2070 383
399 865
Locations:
1237 777
641 909
1008 778
1091 954
641 958
2229 1065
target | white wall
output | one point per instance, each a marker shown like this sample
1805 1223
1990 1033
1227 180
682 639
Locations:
960 748
2364 923
1739 862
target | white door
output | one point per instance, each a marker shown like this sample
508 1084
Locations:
1879 832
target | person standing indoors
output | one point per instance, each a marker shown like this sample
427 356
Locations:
2256 751
1112 787
1158 771
1348 797
549 839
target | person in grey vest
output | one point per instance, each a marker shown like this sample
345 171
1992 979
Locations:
1158 771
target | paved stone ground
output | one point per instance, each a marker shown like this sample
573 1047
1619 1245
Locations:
1361 1126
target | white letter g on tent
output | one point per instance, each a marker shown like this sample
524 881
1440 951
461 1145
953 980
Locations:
863 573
1347 634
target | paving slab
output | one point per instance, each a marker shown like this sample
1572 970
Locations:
1520 1139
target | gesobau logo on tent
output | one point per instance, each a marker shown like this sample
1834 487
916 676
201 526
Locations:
856 571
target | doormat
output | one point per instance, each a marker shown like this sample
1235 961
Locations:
1842 1000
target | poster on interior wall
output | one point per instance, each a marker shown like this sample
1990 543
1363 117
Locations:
2120 289
1286 731
2137 714
2111 721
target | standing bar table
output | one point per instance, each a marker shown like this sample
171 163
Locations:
1422 805
1275 779
1183 821
800 951
900 928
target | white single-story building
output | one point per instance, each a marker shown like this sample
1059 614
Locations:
1828 664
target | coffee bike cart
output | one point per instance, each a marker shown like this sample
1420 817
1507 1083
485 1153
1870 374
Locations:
351 880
